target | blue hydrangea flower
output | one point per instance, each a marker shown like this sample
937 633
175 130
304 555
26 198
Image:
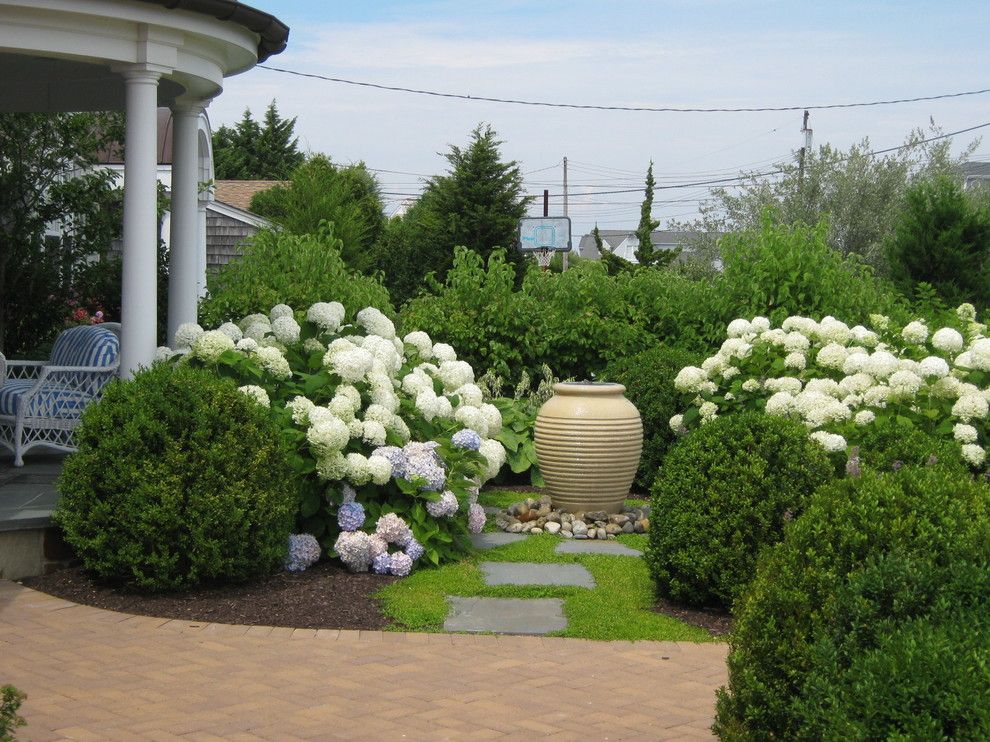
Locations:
350 517
304 551
414 549
476 518
445 507
381 564
396 456
467 439
400 564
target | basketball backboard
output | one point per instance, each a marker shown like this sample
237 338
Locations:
545 233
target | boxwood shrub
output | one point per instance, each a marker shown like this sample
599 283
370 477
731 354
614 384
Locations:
723 493
887 448
649 381
179 479
857 622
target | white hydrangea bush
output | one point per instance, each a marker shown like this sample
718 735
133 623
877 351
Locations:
394 428
838 380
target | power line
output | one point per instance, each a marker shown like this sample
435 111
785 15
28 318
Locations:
646 109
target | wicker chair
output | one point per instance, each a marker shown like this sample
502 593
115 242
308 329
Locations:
41 401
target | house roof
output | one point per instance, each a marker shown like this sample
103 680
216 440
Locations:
240 192
613 238
273 34
979 170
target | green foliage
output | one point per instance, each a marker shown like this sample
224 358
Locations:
346 197
777 270
826 631
886 448
36 152
296 269
943 240
10 701
649 381
250 150
179 479
723 494
477 205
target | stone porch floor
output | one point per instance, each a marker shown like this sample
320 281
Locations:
27 493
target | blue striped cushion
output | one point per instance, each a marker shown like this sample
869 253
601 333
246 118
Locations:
86 345
68 404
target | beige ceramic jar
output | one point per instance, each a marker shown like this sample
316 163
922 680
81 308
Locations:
588 441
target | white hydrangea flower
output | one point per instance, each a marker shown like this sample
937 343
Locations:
376 412
802 325
327 435
318 415
164 353
355 428
231 330
825 386
278 311
494 454
331 467
326 315
677 423
964 361
253 319
795 342
880 321
247 345
784 384
470 395
351 365
970 406
286 329
856 383
979 353
373 433
819 409
300 407
351 392
833 356
492 418
965 433
947 340
186 335
864 337
257 331
876 396
387 360
915 333
881 364
736 348
730 372
831 442
750 385
760 324
416 381
832 330
443 352
904 384
780 404
358 470
376 323
708 411
445 410
455 374
690 379
714 366
738 328
426 403
795 361
945 388
210 345
973 454
865 417
933 367
256 393
775 336
272 361
380 469
421 342
471 417
966 312
399 427
312 345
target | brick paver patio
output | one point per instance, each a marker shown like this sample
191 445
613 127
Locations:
94 674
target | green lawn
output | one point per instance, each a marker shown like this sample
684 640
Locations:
618 608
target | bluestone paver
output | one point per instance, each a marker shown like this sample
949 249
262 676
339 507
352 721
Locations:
494 539
506 615
587 546
532 573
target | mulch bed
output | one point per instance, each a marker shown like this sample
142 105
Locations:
322 597
716 622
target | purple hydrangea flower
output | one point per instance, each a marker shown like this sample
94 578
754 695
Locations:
354 549
424 465
381 564
467 439
396 456
445 507
414 549
476 518
304 551
377 545
393 529
351 516
400 564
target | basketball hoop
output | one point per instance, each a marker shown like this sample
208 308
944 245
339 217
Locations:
543 257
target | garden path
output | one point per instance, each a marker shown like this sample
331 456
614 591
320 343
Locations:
96 674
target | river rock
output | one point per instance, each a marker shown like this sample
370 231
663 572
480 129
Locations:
579 528
596 515
592 533
619 520
552 527
613 529
628 527
515 528
602 534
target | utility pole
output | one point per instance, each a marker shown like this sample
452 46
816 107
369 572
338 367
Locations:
546 202
804 150
564 259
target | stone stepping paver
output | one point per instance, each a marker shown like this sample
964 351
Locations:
506 615
531 573
495 538
613 548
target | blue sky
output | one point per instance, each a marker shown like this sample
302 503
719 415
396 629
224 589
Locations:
708 53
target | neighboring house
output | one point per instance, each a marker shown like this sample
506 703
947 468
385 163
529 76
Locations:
230 221
623 242
975 174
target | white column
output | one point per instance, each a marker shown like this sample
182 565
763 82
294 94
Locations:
139 302
184 242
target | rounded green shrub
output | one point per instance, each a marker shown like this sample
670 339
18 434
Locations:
649 381
874 564
722 494
887 448
179 479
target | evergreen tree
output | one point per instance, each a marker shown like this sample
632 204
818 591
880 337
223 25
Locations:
477 204
646 254
942 239
252 151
